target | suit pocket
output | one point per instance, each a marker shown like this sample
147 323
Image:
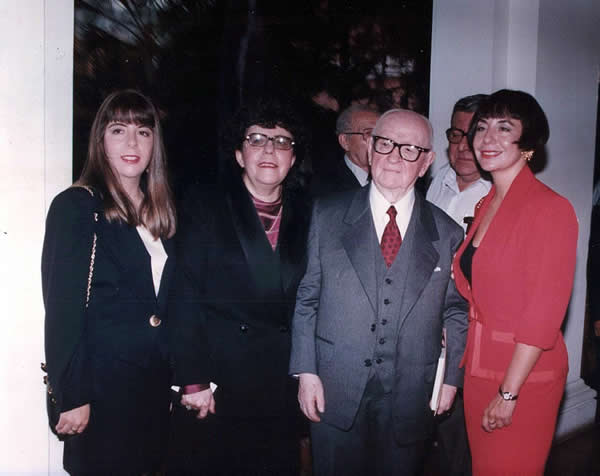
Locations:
492 352
440 272
429 373
324 349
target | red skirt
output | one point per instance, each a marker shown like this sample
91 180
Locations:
522 447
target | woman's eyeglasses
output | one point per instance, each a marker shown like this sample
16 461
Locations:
256 139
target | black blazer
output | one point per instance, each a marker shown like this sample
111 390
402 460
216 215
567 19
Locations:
122 298
234 298
332 178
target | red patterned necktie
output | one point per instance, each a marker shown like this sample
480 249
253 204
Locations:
391 238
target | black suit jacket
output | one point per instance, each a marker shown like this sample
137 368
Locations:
234 300
332 178
122 297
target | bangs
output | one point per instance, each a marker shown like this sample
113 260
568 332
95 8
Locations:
268 113
131 108
497 110
507 103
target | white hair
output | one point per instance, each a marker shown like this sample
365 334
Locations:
408 112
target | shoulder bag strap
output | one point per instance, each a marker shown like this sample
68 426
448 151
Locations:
93 252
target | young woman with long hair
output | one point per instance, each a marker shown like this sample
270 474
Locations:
106 267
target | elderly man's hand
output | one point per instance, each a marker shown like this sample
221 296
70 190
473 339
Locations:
311 396
446 398
202 401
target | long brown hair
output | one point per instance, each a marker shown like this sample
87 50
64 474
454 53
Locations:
157 212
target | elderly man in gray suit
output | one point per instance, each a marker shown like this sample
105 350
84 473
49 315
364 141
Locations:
371 308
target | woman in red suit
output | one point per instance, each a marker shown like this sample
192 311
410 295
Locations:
515 268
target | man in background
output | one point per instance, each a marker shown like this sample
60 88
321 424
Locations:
353 128
458 185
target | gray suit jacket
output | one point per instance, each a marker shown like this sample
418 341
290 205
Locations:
337 306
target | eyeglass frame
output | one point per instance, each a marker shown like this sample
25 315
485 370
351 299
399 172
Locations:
396 144
448 131
366 133
269 138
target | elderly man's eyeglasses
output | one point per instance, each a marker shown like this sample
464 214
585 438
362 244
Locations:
366 133
455 135
408 152
256 139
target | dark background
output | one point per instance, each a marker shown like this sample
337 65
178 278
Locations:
199 60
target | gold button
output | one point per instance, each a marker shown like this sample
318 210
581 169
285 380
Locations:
154 321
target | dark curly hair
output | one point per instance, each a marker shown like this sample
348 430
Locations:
516 105
269 112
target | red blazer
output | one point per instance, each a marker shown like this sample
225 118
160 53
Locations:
522 277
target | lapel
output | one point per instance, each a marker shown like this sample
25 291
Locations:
127 250
293 235
460 279
163 292
503 224
418 254
263 263
347 178
360 243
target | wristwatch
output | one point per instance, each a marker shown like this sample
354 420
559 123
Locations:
506 395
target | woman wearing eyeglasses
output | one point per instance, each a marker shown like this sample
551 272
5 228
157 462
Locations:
242 256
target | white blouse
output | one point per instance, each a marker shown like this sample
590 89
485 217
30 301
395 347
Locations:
158 255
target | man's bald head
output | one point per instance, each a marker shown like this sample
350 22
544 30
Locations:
406 117
395 175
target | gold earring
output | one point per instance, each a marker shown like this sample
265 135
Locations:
526 155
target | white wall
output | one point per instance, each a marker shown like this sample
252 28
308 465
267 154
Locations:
479 46
461 60
35 159
551 50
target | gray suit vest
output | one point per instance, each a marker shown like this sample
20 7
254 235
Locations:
390 287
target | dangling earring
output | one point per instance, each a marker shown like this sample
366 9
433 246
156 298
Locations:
526 155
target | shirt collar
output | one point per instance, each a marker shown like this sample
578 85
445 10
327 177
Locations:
449 180
380 205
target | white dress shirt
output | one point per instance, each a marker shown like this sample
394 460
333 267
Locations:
361 175
444 193
380 206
